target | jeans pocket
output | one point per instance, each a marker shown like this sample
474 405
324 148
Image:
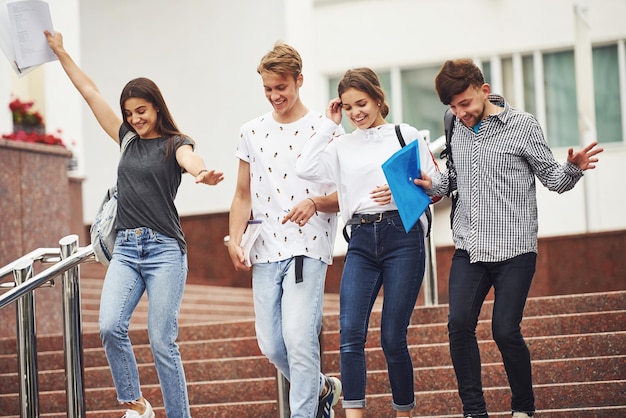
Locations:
163 239
396 223
120 238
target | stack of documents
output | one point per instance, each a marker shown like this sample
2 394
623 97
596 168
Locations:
22 23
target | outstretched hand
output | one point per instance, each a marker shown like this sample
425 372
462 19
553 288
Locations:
211 177
586 158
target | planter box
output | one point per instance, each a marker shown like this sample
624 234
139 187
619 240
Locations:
35 208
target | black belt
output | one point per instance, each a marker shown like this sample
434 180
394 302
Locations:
368 218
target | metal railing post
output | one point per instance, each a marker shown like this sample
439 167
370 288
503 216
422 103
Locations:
283 395
26 343
431 296
72 333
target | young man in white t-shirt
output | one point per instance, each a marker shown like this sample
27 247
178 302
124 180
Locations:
290 257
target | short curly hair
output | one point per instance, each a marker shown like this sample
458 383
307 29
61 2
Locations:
455 76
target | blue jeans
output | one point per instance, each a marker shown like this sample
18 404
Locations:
288 324
144 260
380 254
469 285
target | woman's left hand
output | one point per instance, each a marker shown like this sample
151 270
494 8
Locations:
210 177
381 195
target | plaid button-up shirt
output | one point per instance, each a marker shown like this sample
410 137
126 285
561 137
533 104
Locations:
496 212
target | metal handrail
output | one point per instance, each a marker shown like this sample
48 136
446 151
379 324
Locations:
71 256
44 255
82 255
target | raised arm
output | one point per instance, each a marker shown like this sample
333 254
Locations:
106 116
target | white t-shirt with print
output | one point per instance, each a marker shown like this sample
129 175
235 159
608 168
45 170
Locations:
271 149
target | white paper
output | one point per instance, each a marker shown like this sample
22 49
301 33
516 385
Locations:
22 24
5 36
249 237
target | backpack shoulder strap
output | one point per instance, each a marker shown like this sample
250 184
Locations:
130 135
399 135
448 125
429 215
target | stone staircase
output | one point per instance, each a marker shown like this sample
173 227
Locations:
577 342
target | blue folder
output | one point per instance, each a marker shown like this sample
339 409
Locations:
400 170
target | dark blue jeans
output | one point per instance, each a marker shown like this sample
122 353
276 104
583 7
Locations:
380 254
469 285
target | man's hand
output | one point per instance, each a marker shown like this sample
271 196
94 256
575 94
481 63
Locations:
585 159
236 256
425 182
301 212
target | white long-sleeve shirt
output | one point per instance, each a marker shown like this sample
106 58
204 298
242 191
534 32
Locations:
354 163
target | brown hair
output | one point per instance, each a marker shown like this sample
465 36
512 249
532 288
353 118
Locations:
283 59
365 80
144 88
455 76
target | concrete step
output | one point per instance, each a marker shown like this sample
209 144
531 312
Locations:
596 366
563 324
440 377
541 348
535 307
270 410
536 312
204 397
577 342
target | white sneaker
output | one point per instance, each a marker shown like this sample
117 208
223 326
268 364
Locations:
148 413
521 415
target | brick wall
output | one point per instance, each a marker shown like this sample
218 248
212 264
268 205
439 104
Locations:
565 265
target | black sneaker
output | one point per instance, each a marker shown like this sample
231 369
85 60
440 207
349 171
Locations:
330 398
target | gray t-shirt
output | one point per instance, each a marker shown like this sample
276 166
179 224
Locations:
147 184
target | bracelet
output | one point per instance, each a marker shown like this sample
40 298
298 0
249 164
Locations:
314 205
201 171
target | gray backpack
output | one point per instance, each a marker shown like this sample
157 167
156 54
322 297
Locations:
102 231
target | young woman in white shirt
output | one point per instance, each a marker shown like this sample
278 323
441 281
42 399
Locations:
380 252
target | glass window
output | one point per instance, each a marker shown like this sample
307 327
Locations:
508 81
421 106
528 71
607 98
560 92
385 82
485 67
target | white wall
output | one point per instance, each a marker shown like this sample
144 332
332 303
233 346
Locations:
389 34
203 55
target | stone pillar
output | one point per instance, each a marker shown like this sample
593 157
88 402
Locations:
35 212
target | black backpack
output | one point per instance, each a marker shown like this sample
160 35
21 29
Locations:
452 193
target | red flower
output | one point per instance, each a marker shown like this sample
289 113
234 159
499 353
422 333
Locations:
22 114
29 126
